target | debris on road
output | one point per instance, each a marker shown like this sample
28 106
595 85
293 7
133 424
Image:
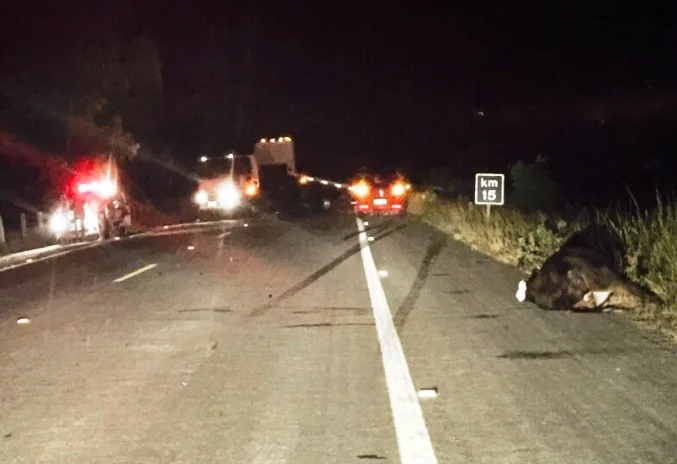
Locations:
426 393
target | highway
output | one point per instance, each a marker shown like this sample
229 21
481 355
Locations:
304 341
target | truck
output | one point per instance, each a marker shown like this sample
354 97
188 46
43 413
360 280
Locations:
232 185
283 188
92 203
228 186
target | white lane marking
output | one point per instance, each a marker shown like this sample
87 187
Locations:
413 438
225 234
135 273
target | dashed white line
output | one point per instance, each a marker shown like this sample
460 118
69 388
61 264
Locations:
135 273
413 438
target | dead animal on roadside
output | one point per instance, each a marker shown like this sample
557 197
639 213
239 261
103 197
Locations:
584 275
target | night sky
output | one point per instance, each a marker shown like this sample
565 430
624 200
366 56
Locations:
400 85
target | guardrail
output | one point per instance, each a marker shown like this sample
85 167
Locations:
31 234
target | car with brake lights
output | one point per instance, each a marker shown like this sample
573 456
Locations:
380 195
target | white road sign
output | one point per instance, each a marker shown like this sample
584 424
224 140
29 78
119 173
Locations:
489 189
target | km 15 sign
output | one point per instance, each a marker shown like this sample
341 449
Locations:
489 189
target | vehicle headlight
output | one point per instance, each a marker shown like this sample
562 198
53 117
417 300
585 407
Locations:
58 223
228 195
201 197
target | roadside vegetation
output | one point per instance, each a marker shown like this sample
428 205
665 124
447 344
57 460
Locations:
524 237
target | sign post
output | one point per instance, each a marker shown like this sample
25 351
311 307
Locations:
489 190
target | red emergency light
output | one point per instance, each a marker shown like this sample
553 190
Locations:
105 188
91 176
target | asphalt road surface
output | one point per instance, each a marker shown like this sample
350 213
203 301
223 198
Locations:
274 343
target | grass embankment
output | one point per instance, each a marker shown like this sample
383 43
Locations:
526 240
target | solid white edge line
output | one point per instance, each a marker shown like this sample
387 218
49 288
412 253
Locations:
413 439
135 273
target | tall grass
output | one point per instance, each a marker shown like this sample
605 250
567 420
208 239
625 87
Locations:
526 240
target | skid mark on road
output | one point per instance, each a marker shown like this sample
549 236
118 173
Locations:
412 434
536 355
410 300
212 310
371 229
484 316
329 324
562 354
370 456
324 270
322 309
